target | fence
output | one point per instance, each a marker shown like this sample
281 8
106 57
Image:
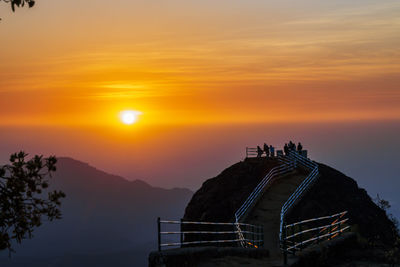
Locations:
287 166
209 233
251 152
305 185
252 199
297 235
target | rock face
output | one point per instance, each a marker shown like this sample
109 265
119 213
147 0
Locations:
219 198
335 192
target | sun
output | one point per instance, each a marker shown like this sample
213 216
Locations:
129 117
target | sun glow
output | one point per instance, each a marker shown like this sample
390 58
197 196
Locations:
129 117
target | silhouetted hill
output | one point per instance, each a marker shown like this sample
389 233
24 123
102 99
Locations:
103 214
333 192
219 197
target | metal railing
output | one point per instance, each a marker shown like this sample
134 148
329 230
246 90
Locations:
251 152
260 188
297 235
191 234
286 167
305 185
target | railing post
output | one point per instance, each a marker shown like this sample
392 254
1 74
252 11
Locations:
294 240
301 239
181 233
246 235
256 235
253 234
339 228
262 235
329 231
237 227
159 233
284 244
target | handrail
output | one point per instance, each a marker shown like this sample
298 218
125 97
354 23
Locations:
294 155
323 227
251 152
319 237
333 229
286 166
300 189
298 193
253 235
278 170
340 215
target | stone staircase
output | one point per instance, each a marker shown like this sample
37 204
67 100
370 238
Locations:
267 210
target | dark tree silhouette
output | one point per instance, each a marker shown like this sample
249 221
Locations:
19 3
23 200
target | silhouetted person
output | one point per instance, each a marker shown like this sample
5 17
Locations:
299 147
292 146
266 149
272 151
286 149
259 152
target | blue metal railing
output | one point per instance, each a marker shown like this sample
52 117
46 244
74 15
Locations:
257 192
298 235
298 193
221 233
287 166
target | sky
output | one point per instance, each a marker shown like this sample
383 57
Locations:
190 62
209 78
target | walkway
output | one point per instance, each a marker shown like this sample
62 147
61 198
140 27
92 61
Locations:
267 210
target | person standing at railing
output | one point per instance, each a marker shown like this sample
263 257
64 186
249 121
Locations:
266 150
272 151
259 152
299 147
286 149
292 146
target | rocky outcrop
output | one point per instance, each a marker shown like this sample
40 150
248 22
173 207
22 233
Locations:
333 192
219 197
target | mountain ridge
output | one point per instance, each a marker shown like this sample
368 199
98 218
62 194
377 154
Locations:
138 182
101 214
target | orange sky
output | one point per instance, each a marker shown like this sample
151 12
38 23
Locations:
189 62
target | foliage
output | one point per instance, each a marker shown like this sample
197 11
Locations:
23 202
383 204
20 3
392 255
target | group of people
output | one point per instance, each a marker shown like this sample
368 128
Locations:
270 150
292 146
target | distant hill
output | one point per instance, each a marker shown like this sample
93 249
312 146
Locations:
104 217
